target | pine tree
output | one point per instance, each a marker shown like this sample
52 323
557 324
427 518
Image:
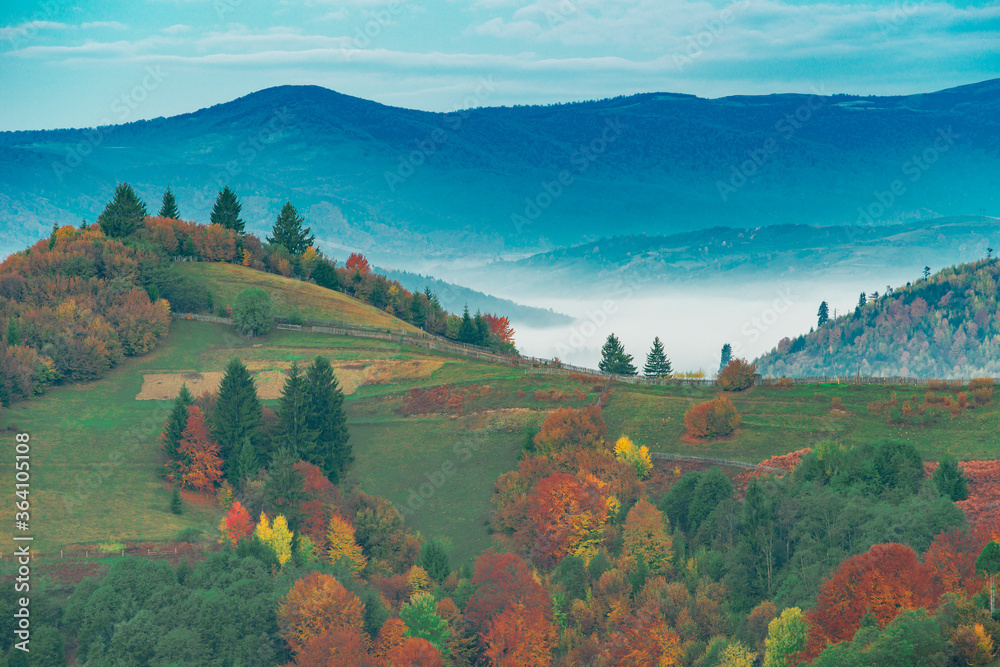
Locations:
927 272
482 329
326 417
657 364
862 300
174 427
434 559
169 207
285 487
247 462
823 314
237 414
727 356
614 359
52 236
227 211
288 231
467 332
418 314
176 506
123 214
293 431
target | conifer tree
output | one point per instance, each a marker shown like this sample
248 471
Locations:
326 417
614 359
727 356
227 211
293 430
482 329
823 314
657 364
237 415
169 207
247 462
176 506
862 300
173 429
467 332
123 214
285 487
418 314
288 231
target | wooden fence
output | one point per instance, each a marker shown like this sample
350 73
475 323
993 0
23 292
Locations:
712 461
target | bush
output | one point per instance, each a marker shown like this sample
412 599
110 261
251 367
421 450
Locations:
189 535
295 318
254 312
982 390
736 376
712 419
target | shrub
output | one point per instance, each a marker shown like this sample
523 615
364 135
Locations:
712 419
254 312
736 376
295 318
982 390
784 382
837 403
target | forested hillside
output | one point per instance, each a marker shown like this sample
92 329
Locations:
944 326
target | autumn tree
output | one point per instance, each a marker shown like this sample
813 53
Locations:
715 418
253 312
390 636
614 359
124 213
500 580
643 640
237 416
520 637
288 231
226 211
199 467
356 262
138 322
737 375
422 621
315 604
644 534
786 636
415 652
341 544
173 431
567 515
627 452
952 558
500 327
657 364
237 523
168 209
568 428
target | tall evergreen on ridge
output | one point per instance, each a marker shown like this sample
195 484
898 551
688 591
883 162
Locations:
173 430
657 364
124 213
227 211
326 417
237 415
467 332
293 416
726 357
614 359
247 462
823 314
288 231
169 207
284 487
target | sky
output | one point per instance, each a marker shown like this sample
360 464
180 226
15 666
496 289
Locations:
82 64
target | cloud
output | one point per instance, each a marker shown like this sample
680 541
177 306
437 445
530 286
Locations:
115 25
15 32
176 29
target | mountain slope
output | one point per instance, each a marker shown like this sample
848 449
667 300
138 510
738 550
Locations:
486 181
946 326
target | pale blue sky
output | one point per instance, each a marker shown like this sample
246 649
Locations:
62 65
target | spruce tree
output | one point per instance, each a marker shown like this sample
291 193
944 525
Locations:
482 329
176 506
288 231
418 314
332 453
727 356
247 462
293 430
823 314
467 332
657 364
176 422
614 359
285 487
169 207
227 211
434 560
123 214
237 415
862 300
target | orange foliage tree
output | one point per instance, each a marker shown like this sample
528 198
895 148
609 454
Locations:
337 647
200 467
356 261
567 515
712 419
238 523
568 427
341 544
214 242
736 376
500 327
318 603
415 652
520 637
646 535
391 635
501 580
139 322
952 559
643 641
884 580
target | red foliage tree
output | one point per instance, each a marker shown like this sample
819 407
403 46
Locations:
214 242
139 322
201 466
415 652
567 427
520 637
643 641
238 523
337 647
564 513
952 559
500 327
357 262
884 580
316 604
502 580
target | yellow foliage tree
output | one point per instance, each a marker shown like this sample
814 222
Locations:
281 540
419 580
737 655
637 457
263 530
974 644
342 544
645 534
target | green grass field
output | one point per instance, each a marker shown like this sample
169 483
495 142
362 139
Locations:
225 281
95 457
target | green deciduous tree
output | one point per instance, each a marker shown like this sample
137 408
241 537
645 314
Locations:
326 417
237 416
253 312
124 213
989 562
422 621
168 209
288 231
614 359
657 364
786 635
227 211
